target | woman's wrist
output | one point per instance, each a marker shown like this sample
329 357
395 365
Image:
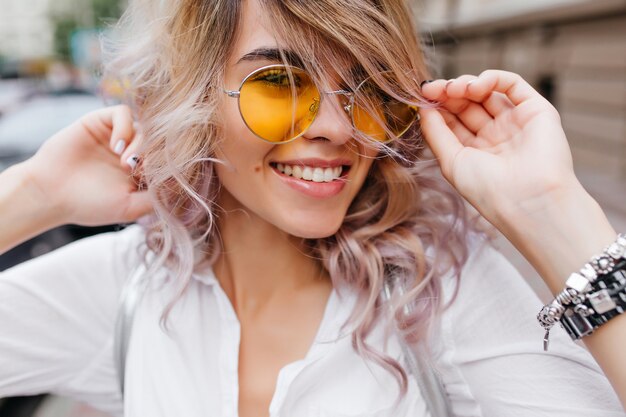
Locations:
560 234
26 209
47 201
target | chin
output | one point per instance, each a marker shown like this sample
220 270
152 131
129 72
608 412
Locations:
312 228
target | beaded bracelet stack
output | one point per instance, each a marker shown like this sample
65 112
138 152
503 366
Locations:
592 296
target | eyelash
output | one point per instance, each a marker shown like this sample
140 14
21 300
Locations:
275 78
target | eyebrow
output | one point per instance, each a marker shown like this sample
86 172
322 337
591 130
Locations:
272 54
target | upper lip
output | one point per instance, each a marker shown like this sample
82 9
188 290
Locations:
316 162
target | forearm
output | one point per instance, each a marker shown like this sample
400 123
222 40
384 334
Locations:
559 239
24 212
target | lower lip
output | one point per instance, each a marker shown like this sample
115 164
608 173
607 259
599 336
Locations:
312 188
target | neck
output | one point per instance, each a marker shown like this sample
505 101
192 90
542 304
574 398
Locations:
260 263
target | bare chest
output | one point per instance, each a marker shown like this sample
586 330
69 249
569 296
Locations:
265 348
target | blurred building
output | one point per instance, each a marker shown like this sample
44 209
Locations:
41 29
27 27
572 51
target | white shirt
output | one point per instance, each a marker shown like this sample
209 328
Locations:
57 315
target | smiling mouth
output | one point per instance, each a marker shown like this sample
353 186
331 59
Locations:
313 174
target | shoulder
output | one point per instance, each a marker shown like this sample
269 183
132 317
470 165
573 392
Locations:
98 264
58 313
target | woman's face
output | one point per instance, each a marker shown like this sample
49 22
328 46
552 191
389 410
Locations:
251 178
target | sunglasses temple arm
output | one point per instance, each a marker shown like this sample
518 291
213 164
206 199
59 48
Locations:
231 93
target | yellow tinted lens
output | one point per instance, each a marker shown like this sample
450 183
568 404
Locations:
369 119
400 116
373 111
277 107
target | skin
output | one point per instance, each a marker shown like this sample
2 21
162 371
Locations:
262 209
40 193
502 146
498 142
264 287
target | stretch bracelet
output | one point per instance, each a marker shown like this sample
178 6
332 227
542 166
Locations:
591 297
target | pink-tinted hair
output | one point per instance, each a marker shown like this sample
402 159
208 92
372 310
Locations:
172 55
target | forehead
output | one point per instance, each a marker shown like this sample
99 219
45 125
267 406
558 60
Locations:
257 44
255 32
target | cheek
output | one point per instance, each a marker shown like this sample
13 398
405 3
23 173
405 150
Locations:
242 160
243 156
241 178
368 156
232 124
239 149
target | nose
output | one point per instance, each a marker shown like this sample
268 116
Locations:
332 121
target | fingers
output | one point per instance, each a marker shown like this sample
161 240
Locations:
125 141
496 104
476 101
130 157
452 96
456 126
444 143
514 87
122 129
125 137
507 86
114 127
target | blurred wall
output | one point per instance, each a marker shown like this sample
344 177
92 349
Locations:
572 51
25 29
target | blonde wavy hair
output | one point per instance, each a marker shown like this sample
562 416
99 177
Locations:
172 54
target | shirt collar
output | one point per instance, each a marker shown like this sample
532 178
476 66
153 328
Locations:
206 277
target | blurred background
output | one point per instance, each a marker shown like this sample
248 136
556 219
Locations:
49 77
572 51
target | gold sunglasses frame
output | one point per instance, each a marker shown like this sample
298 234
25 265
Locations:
347 107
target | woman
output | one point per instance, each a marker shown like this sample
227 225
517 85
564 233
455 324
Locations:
279 144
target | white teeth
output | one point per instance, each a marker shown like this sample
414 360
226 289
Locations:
315 174
329 174
297 172
307 173
318 175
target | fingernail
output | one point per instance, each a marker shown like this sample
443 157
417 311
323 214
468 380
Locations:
425 82
119 147
472 81
132 161
450 82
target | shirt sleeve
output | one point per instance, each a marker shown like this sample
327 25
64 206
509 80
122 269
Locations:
491 357
57 318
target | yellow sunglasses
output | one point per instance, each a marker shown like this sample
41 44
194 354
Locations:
278 103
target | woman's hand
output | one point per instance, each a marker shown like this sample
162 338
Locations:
499 143
79 175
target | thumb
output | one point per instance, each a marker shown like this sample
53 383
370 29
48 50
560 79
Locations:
443 142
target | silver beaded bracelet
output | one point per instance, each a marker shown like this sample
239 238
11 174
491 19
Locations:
591 296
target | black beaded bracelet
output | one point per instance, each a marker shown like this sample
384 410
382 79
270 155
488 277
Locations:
591 297
606 300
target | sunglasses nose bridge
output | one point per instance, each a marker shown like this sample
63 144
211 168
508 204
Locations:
347 107
329 122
